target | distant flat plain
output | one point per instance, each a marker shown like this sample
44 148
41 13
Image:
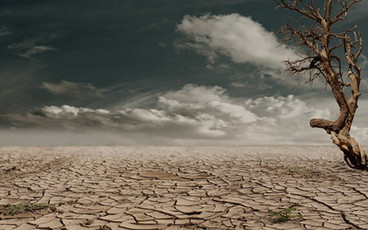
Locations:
186 187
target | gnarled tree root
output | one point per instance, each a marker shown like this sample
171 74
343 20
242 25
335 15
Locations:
355 156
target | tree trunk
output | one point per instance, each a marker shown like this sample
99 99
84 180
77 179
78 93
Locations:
354 154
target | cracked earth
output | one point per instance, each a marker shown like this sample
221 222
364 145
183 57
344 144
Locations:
182 188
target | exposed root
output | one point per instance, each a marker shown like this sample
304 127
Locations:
355 156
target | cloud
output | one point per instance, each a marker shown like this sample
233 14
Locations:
30 47
191 115
250 85
35 50
72 89
237 37
4 31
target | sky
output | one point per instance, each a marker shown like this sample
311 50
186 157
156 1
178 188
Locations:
159 72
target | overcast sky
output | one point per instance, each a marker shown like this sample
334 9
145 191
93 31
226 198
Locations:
167 72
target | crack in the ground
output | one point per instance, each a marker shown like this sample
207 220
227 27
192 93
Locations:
342 214
361 193
236 203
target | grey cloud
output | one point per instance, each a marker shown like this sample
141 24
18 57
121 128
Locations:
35 50
246 85
30 47
73 89
4 31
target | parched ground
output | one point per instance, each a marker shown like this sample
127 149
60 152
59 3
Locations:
284 187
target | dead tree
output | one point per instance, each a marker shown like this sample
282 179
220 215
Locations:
328 53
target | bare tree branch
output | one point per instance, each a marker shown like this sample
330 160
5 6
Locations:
301 7
345 6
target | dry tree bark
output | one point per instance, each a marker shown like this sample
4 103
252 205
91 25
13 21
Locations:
322 61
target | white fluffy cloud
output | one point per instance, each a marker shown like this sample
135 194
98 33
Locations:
191 115
235 36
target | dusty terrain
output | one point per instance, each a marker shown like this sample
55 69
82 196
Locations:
285 187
